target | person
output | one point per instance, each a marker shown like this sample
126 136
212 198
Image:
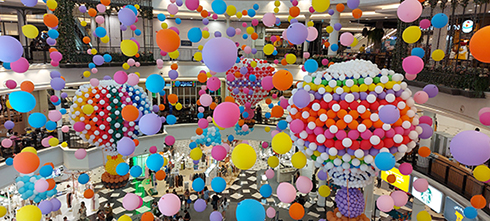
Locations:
32 47
109 213
65 218
215 200
100 215
69 197
83 211
187 216
301 200
362 49
205 194
155 210
258 115
223 207
187 197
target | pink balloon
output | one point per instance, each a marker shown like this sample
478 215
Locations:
269 19
137 64
10 84
245 127
267 83
169 140
80 154
424 23
409 11
6 143
286 192
421 97
425 120
346 38
133 79
385 203
131 62
172 9
400 198
55 56
192 4
65 129
304 184
20 66
120 77
484 116
247 50
41 185
284 35
94 70
79 126
255 22
206 100
273 38
410 77
306 55
100 20
131 201
325 62
213 83
269 174
226 114
421 185
312 34
202 123
54 115
274 133
153 149
271 212
276 61
101 8
200 109
169 204
405 168
226 146
238 31
94 82
219 152
45 142
265 145
210 119
413 64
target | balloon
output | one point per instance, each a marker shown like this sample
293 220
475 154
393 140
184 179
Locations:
282 80
400 198
421 185
56 204
83 178
385 161
194 34
478 48
213 83
411 34
131 201
249 209
424 216
409 11
20 66
346 39
135 171
266 190
12 49
80 153
41 185
46 171
419 52
431 90
50 20
190 4
304 184
298 160
218 184
470 147
273 161
22 101
29 212
37 120
218 6
385 203
243 156
100 32
124 218
439 20
122 169
269 19
437 55
470 212
30 31
311 66
196 153
168 40
218 153
478 201
357 13
126 146
200 205
154 162
324 191
169 204
129 48
412 64
286 192
297 33
126 16
296 211
155 83
219 54
150 124
226 114
352 4
281 143
389 114
405 168
320 5
312 34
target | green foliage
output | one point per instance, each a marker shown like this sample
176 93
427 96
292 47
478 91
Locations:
66 28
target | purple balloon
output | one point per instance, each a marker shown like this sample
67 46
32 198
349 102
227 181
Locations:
219 54
322 175
45 206
123 27
278 21
57 84
297 33
337 26
56 204
331 11
155 108
427 131
98 60
64 95
431 90
215 216
301 98
51 41
373 152
217 34
11 49
254 51
230 32
55 74
195 161
126 16
200 205
107 77
9 124
470 147
353 4
82 8
389 114
150 124
205 21
293 21
236 91
352 207
126 146
173 74
243 70
179 3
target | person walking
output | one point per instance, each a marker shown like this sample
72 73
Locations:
82 212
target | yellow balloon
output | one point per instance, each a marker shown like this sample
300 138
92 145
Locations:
411 34
129 48
53 142
267 129
239 15
174 55
324 190
29 149
125 66
216 125
52 4
277 3
244 156
137 6
200 47
276 10
198 56
291 58
86 74
165 161
124 218
164 25
329 29
250 30
3 211
482 173
205 34
105 39
320 5
273 161
137 73
93 51
298 160
310 24
29 213
196 153
253 64
423 216
281 143
8 104
231 10
88 109
209 75
178 106
438 55
30 31
268 49
64 144
354 43
83 23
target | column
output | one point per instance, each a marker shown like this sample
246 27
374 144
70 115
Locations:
369 199
21 17
334 36
60 122
424 161
93 26
227 21
305 44
417 207
321 199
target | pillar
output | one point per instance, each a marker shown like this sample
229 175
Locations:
369 199
60 122
305 44
334 36
321 199
93 26
417 207
227 22
21 17
424 161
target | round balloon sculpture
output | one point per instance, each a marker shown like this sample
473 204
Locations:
353 120
111 179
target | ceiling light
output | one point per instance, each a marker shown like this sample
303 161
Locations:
386 17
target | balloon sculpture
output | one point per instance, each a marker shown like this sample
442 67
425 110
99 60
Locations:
111 179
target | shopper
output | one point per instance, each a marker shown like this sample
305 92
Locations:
206 194
100 215
223 207
187 216
187 198
83 212
109 213
215 200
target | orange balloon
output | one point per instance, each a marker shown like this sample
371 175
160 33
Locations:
202 77
52 50
357 13
479 47
173 99
424 151
296 211
26 162
229 99
160 175
277 111
213 105
92 12
282 80
284 62
174 66
294 11
130 113
478 201
204 13
254 36
241 122
86 40
340 7
27 86
136 142
391 178
105 2
161 107
168 40
137 55
199 131
148 216
88 194
244 12
50 20
51 183
268 101
237 74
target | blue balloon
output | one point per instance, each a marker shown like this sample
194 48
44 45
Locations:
171 119
37 120
242 109
251 13
470 212
155 83
439 20
311 65
334 47
267 115
266 190
200 115
271 105
250 209
46 171
419 52
122 169
198 184
56 103
91 65
135 11
22 101
385 161
83 178
50 125
194 34
274 52
178 21
161 17
218 6
135 171
53 33
237 60
177 83
252 77
245 36
100 32
192 145
231 138
63 111
256 6
218 184
137 32
9 161
107 58
154 162
282 124
245 114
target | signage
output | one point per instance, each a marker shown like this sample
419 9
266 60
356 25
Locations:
402 181
432 197
185 84
467 26
453 211
185 43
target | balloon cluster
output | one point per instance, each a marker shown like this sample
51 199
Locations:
250 80
240 130
210 137
96 112
350 204
344 117
111 179
34 187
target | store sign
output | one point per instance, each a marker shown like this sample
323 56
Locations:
453 211
432 197
467 26
402 181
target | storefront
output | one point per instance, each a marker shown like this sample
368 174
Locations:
402 181
432 197
453 211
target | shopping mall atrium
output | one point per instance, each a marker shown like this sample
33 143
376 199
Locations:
251 110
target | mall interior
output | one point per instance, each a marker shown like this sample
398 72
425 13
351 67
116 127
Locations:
178 110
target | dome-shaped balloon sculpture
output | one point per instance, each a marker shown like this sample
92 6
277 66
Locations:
111 179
